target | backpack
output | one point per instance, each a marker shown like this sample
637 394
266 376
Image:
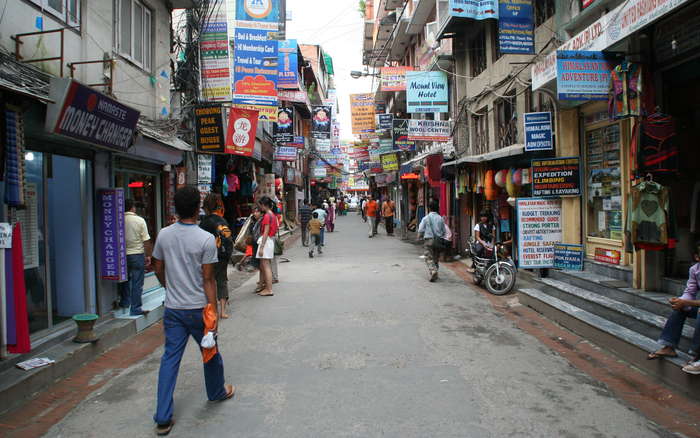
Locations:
224 241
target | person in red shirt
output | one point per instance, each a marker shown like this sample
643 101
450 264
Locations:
371 207
266 245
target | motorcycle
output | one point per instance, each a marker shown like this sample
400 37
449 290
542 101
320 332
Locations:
497 272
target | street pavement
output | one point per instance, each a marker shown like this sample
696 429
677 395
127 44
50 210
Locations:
357 343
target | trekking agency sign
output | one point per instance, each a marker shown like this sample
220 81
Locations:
390 162
255 72
539 229
538 132
516 30
426 92
582 75
556 177
477 10
362 113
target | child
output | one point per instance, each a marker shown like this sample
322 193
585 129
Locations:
314 228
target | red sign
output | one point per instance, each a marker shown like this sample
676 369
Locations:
586 3
610 256
240 138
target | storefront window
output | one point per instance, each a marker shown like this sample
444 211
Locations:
604 207
142 189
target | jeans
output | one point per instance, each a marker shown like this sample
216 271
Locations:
673 330
315 241
304 234
132 289
432 255
372 223
179 325
389 222
323 235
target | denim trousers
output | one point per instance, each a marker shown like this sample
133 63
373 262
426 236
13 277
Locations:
132 289
673 330
179 325
323 235
304 234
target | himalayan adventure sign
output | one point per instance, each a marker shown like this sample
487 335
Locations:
394 78
213 49
209 125
582 75
284 127
112 235
240 138
568 257
516 30
400 136
362 113
474 9
539 229
538 131
556 177
429 130
255 72
426 92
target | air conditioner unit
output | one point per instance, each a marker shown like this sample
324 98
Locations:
431 30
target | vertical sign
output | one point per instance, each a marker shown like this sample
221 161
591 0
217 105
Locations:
582 75
209 127
112 235
426 92
538 132
284 127
321 123
400 136
204 169
240 137
255 72
288 60
516 29
539 229
213 49
362 113
29 218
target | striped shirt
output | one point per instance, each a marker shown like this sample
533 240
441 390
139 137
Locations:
305 214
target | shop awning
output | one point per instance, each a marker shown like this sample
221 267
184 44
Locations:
509 151
418 158
158 143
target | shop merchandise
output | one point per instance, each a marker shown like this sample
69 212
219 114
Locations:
625 91
657 151
490 187
648 216
14 159
16 293
434 165
233 183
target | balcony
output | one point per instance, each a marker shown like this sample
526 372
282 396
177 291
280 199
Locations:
392 5
422 11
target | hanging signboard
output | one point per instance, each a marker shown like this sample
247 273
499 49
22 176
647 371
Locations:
379 107
429 130
539 229
321 123
298 142
362 112
320 172
582 75
390 162
538 131
288 60
400 136
215 72
204 169
285 153
568 257
384 122
255 70
240 136
394 78
112 235
477 10
284 127
516 29
426 92
209 127
556 177
258 14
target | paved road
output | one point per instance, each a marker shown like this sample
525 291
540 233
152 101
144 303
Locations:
357 343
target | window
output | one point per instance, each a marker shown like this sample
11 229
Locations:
65 10
477 53
544 9
604 182
505 120
134 32
480 131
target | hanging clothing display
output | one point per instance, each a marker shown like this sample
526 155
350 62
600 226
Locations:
233 182
14 159
648 219
625 91
657 149
21 318
434 165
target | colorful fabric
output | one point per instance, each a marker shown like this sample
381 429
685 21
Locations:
271 220
625 91
233 182
14 159
658 152
647 216
22 343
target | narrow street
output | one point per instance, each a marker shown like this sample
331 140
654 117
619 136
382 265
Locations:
357 343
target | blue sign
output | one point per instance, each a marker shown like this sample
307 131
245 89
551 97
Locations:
475 9
426 92
516 30
255 68
263 11
538 132
288 65
582 75
112 234
568 257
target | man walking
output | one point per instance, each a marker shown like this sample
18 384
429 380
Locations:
430 229
388 215
184 260
304 218
371 208
322 218
315 229
138 251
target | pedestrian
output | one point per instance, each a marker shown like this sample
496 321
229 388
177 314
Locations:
138 252
430 229
266 245
304 218
370 211
388 208
321 217
214 223
330 217
184 259
315 227
363 205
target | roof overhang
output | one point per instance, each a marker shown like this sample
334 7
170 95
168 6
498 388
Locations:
420 16
400 41
509 151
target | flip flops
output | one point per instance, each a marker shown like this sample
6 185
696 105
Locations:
164 429
657 355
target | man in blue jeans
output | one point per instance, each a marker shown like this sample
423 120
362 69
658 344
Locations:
138 251
184 259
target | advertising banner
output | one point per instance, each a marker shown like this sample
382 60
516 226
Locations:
362 113
475 9
321 123
320 172
582 75
298 142
209 127
288 61
258 14
204 169
568 257
516 29
538 132
112 235
285 153
294 96
539 229
394 78
255 70
390 162
400 136
426 92
556 177
215 71
384 122
284 127
240 136
429 130
379 107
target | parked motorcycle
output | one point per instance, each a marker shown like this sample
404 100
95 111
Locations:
497 272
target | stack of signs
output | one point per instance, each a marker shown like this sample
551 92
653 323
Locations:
426 92
284 127
297 142
516 29
582 75
539 229
556 177
213 50
288 60
394 78
321 127
362 113
209 127
400 136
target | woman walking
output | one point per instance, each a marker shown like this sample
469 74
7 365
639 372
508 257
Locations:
266 245
330 218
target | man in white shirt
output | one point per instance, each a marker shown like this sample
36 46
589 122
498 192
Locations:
138 252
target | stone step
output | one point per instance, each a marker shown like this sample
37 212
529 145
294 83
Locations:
631 346
152 303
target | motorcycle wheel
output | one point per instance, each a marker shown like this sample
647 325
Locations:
502 282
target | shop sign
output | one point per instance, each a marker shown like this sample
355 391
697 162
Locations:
320 172
112 235
259 14
379 107
400 136
476 10
5 235
390 162
204 169
294 96
610 256
539 229
426 92
556 177
266 113
568 257
209 127
289 175
394 78
384 122
285 153
242 126
612 27
321 122
29 217
298 142
323 145
81 113
362 112
255 68
284 127
215 62
582 75
288 61
429 130
538 132
516 29
180 177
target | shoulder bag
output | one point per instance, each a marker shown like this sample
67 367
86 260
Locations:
439 242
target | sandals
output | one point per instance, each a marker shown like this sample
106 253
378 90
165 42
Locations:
230 391
164 429
657 355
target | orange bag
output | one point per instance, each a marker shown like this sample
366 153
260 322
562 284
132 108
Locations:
209 315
